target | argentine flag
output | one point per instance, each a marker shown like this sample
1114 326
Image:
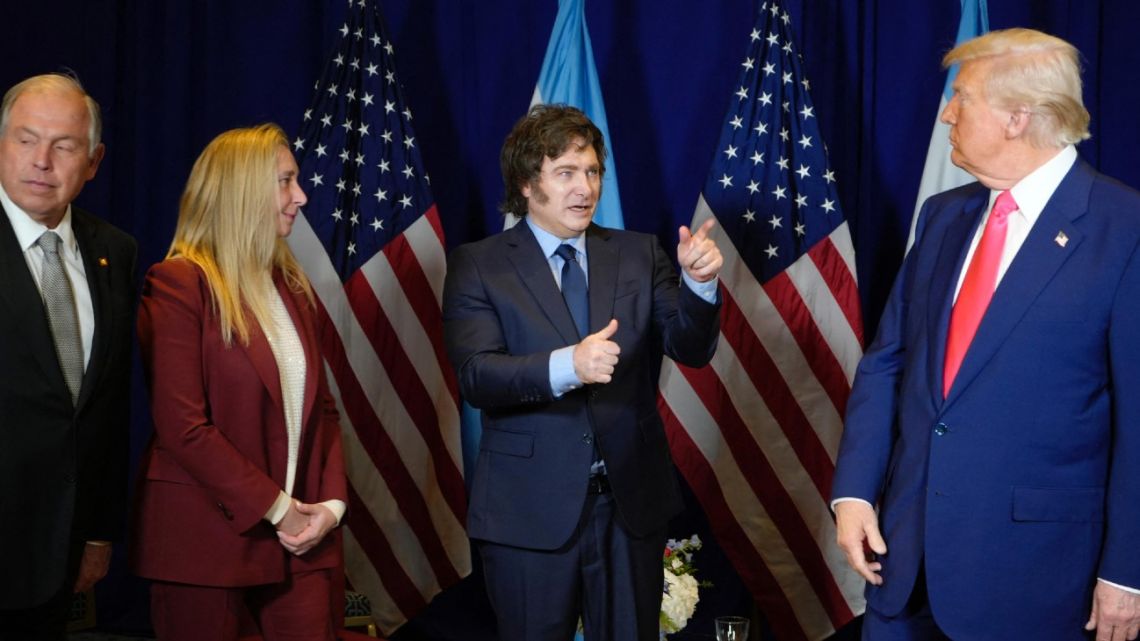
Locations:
939 174
568 76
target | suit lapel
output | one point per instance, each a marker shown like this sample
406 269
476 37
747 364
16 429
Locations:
96 267
534 272
260 354
950 263
1030 272
603 256
25 305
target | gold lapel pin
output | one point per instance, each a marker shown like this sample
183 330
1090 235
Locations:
1061 239
103 261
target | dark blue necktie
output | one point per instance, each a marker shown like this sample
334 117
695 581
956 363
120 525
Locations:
574 288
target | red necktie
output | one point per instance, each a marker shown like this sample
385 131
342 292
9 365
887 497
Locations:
977 288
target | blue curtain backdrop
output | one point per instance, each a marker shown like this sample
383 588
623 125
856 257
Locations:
172 74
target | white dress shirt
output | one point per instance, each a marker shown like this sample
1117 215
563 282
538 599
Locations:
289 353
1031 194
28 232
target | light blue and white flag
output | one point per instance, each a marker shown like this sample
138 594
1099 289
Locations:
939 174
568 76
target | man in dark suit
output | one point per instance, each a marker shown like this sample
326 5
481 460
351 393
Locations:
65 349
574 483
996 418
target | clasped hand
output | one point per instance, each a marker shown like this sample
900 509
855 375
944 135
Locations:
304 526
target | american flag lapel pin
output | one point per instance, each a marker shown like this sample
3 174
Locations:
1061 239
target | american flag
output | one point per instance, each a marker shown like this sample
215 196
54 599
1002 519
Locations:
756 432
371 242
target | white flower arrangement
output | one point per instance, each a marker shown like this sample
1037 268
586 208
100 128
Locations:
681 590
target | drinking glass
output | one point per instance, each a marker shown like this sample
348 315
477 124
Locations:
731 629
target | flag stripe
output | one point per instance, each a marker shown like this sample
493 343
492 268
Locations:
728 530
813 509
769 569
407 272
383 509
375 546
769 435
363 368
379 446
756 329
776 394
365 579
764 482
832 269
410 390
389 304
796 317
372 246
757 431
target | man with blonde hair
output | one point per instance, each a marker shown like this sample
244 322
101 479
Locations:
67 294
995 420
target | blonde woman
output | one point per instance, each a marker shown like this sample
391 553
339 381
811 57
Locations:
243 482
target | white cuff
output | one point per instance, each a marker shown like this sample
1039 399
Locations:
279 508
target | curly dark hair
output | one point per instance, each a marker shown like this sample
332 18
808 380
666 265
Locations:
546 131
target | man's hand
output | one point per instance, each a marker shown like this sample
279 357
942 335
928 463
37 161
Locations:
596 356
320 522
698 254
93 566
856 524
1115 613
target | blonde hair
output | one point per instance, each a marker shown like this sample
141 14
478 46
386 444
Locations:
227 225
1036 71
62 83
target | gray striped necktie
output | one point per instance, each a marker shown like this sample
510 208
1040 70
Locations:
59 301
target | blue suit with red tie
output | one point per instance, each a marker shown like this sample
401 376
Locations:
1016 491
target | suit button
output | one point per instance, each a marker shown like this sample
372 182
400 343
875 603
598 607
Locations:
587 439
941 429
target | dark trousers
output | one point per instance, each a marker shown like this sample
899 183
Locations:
612 580
44 622
298 609
914 623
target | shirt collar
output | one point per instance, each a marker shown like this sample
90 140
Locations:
28 231
1033 192
549 242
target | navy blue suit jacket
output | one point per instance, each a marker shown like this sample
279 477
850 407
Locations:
1021 487
503 316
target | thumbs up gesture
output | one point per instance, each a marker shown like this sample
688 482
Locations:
596 356
698 254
